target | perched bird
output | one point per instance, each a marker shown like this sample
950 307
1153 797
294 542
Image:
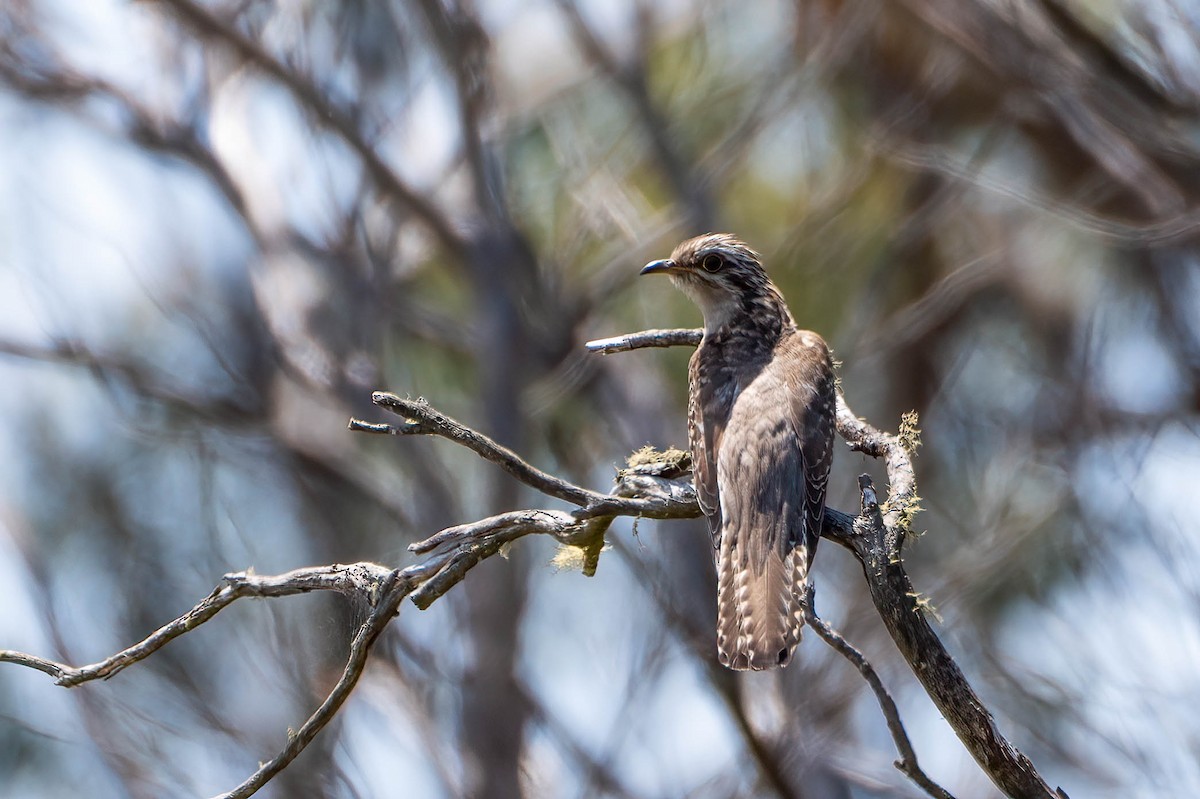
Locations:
761 407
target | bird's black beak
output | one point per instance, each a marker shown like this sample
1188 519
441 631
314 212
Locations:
657 266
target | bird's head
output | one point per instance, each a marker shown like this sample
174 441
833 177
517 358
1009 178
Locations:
723 276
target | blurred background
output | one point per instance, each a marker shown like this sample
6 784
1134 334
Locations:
223 224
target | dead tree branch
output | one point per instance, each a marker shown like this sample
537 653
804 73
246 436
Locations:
876 538
655 490
421 418
907 764
455 551
646 338
375 586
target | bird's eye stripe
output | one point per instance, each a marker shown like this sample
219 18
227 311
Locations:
711 263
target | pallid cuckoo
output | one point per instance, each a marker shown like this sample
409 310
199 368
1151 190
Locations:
761 409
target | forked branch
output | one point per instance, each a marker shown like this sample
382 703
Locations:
656 490
907 763
876 539
379 588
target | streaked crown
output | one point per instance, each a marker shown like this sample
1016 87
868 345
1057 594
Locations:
726 280
718 260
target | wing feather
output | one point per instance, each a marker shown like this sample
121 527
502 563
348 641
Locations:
763 472
712 389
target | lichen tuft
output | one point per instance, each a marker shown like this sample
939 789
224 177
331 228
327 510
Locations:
909 433
671 462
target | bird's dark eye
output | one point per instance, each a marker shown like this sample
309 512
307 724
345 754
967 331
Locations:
712 263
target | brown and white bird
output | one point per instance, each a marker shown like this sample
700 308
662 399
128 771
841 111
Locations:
761 407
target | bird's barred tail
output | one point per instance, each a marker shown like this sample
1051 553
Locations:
759 612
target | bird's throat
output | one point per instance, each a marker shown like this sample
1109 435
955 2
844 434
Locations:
718 307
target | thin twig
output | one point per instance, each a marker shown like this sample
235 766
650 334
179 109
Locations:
907 763
389 592
421 418
380 588
345 579
646 338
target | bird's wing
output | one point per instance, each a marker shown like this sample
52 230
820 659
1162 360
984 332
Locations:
772 467
817 418
776 448
712 389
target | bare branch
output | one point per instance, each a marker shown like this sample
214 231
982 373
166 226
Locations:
388 590
53 668
656 490
646 338
902 612
480 540
549 521
359 579
378 587
908 756
877 539
383 589
70 676
421 418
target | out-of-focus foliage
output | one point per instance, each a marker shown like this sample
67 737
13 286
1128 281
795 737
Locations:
222 224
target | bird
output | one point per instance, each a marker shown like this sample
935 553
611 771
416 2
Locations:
761 416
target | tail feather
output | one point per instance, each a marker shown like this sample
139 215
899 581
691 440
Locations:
759 612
